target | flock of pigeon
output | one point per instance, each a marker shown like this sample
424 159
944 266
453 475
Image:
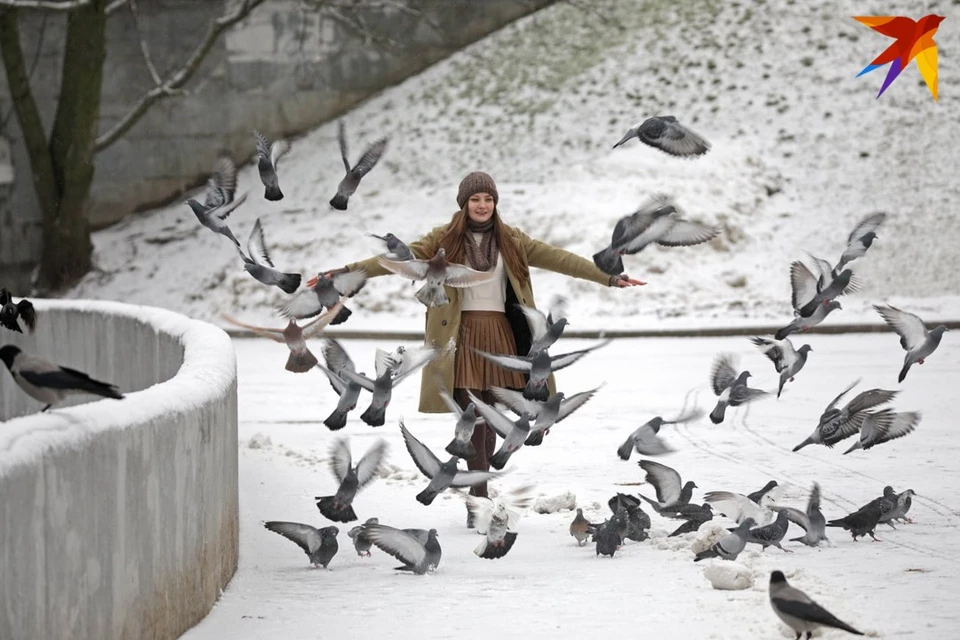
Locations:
760 520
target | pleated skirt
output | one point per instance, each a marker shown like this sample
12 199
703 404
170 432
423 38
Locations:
488 331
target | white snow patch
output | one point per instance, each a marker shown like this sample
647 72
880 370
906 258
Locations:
552 504
708 535
259 441
729 576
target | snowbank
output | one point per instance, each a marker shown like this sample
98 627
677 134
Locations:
119 518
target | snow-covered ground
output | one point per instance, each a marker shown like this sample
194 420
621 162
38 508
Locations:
802 149
547 586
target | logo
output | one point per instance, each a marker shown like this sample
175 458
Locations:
914 39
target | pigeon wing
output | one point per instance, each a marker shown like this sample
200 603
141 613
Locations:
412 269
303 305
470 478
336 356
257 247
665 480
515 401
566 359
908 326
723 373
667 134
496 420
736 506
865 226
869 399
482 510
318 324
428 463
684 234
773 349
371 462
513 363
397 543
458 275
274 334
342 139
803 285
350 283
356 378
340 461
900 425
306 537
413 361
796 516
370 158
335 381
536 320
574 402
263 147
278 149
384 361
833 403
222 185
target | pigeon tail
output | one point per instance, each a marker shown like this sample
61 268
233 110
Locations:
289 282
903 372
608 261
426 496
489 551
535 439
717 415
803 444
336 420
856 445
536 391
464 450
783 381
783 333
342 316
499 459
339 202
432 296
336 513
301 362
626 449
273 193
374 416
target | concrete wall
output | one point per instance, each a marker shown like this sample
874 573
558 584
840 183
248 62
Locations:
283 70
119 518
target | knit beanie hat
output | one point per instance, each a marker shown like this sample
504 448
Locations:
476 182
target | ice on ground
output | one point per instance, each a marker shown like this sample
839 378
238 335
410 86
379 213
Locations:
727 575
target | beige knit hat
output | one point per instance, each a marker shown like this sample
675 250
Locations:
476 182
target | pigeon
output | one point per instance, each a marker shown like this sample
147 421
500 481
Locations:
324 293
646 440
336 359
9 313
812 521
608 538
888 505
861 238
514 434
861 522
739 507
668 135
396 249
809 292
557 408
437 273
497 520
219 202
351 180
787 360
656 221
841 285
260 266
666 481
904 502
48 382
695 516
352 478
637 518
267 157
301 359
442 475
838 424
729 386
771 534
360 542
418 556
538 367
461 445
544 329
581 528
915 339
758 495
800 323
730 545
883 426
320 545
799 611
804 288
387 378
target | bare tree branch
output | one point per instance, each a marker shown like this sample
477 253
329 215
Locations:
116 4
143 43
52 5
33 66
180 77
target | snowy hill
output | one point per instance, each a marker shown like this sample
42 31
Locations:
802 150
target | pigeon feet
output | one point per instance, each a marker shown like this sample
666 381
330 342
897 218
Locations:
791 379
920 361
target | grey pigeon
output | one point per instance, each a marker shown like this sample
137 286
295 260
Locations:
336 361
396 249
556 409
514 433
437 273
417 556
668 135
323 292
581 528
497 520
656 221
730 545
267 157
838 424
771 534
442 475
694 516
883 426
809 291
361 542
219 202
915 339
804 287
461 445
671 493
729 386
320 545
757 495
259 265
638 521
10 312
799 323
861 238
348 186
48 382
843 284
387 378
539 367
544 329
812 521
608 538
904 502
646 439
787 360
799 611
301 359
352 478
739 507
888 506
863 521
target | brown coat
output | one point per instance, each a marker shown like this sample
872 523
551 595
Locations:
443 323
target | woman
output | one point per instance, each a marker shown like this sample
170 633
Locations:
485 316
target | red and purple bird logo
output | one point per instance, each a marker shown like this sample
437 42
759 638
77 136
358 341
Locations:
914 40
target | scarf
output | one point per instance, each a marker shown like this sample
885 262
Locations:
484 256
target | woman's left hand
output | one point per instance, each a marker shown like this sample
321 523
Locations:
623 280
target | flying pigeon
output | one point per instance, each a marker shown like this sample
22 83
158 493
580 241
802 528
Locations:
770 535
497 520
323 292
799 611
739 507
514 433
336 359
861 522
883 426
812 521
666 481
838 424
320 545
581 528
397 250
787 360
694 515
544 329
388 377
729 386
351 478
556 408
48 382
267 157
260 266
351 180
656 221
219 202
417 556
437 273
461 445
730 545
861 238
442 475
9 312
668 135
804 288
915 339
646 440
360 542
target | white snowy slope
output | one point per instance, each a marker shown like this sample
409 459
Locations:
547 586
802 150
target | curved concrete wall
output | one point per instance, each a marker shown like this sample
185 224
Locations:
119 519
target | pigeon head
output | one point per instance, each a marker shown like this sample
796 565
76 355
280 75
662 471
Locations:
690 485
330 531
656 423
888 491
747 523
433 533
832 304
777 577
868 239
195 206
707 506
938 330
579 511
8 353
372 521
561 323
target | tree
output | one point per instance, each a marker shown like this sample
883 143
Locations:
61 162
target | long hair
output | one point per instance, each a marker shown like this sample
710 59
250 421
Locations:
455 234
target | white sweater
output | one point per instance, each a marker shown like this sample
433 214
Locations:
487 296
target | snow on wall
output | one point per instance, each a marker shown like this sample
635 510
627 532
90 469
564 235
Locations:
119 518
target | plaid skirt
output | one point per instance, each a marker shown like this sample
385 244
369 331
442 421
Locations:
488 331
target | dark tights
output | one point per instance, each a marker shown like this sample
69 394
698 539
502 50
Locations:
484 439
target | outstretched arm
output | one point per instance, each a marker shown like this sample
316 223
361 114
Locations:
422 249
546 256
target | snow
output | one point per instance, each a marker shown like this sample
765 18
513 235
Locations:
554 504
729 576
901 587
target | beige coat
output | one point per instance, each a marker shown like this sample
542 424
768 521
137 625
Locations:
443 323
